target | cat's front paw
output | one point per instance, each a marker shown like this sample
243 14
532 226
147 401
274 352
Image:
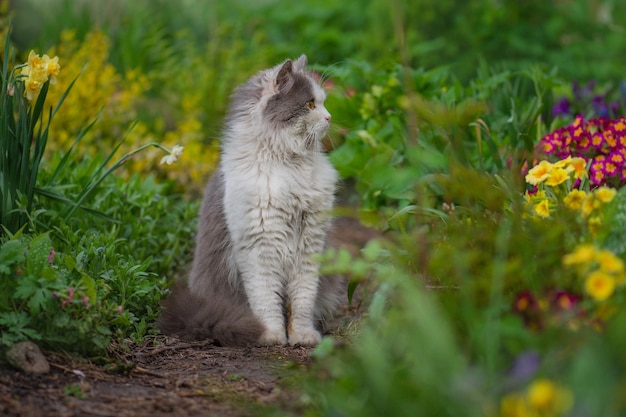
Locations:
305 337
273 337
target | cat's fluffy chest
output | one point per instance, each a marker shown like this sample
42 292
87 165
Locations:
306 185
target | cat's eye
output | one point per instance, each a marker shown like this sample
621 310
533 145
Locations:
310 104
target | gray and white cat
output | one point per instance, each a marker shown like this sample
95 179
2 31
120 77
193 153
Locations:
265 214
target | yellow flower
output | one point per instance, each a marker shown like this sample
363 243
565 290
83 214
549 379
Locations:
594 224
574 200
539 173
605 194
37 71
590 203
541 394
609 262
31 88
579 166
563 163
53 68
542 209
514 405
557 176
600 285
583 254
548 398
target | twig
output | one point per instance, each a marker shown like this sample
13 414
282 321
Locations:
175 347
148 372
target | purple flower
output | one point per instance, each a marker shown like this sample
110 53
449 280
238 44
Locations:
599 106
51 256
562 108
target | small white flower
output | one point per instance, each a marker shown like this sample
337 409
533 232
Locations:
175 153
177 150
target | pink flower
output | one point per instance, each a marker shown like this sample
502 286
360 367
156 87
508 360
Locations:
70 293
51 256
617 158
120 309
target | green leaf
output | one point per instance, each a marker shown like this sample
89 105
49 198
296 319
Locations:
38 253
11 252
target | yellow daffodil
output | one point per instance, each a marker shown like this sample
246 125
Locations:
37 71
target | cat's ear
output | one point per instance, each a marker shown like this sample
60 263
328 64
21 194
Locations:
284 79
300 63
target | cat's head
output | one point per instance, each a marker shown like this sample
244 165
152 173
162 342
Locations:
286 100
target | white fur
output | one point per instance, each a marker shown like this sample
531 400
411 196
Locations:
279 191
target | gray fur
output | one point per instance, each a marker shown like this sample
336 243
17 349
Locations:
265 213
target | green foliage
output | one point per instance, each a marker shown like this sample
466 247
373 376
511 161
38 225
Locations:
427 34
105 278
444 334
402 126
24 134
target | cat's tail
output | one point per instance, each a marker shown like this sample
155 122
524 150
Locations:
191 317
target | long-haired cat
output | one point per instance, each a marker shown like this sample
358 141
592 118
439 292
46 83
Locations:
265 214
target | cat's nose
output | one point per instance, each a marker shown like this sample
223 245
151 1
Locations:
328 117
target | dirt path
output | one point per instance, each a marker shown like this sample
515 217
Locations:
166 377
161 377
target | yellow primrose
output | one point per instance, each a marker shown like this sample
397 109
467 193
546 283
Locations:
548 398
542 208
605 194
583 254
556 176
574 200
579 167
609 262
539 173
600 285
590 203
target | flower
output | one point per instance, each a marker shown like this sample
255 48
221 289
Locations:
557 176
574 200
51 256
546 397
605 194
610 263
590 203
542 398
539 173
583 254
173 156
37 71
579 167
543 208
600 285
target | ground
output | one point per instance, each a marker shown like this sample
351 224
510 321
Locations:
164 376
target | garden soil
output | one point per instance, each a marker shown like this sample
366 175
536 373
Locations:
165 376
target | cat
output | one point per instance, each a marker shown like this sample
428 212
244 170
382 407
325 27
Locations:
265 215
